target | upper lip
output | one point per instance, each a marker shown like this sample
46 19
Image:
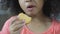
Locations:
30 6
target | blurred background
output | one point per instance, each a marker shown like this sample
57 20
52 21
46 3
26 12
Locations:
6 10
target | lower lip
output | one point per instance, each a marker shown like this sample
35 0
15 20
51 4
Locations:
29 9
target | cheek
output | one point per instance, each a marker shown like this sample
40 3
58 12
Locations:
40 4
21 3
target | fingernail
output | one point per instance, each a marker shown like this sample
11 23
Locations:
23 21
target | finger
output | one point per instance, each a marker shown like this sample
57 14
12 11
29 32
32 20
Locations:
16 27
18 22
14 19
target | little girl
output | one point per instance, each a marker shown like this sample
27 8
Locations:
41 22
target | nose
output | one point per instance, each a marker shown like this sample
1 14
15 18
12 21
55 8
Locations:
28 0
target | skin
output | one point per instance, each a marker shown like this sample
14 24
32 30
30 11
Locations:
39 23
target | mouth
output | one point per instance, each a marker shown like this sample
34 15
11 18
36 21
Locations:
30 7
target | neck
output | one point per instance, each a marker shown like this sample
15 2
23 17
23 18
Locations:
40 18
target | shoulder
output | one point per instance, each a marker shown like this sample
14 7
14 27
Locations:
57 27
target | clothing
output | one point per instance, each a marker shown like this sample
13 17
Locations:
53 29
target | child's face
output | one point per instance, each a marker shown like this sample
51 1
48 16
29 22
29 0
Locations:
31 7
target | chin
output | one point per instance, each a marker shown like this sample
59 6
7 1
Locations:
31 13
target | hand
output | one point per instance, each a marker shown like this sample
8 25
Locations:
16 25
